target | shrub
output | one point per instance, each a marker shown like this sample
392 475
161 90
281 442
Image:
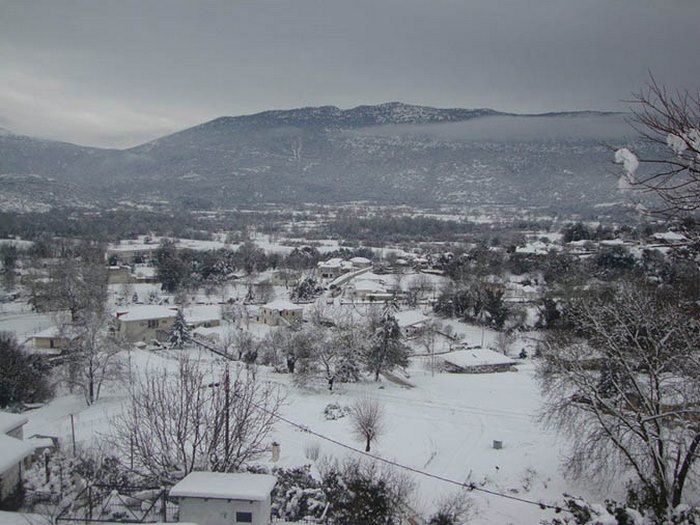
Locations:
297 494
334 411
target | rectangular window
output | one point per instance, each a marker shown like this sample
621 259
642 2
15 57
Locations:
153 323
244 517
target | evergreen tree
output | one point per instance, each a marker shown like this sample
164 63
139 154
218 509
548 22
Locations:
180 333
305 290
386 351
363 492
23 377
170 269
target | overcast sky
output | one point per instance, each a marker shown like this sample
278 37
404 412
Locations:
123 72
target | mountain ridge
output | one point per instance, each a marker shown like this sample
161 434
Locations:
387 153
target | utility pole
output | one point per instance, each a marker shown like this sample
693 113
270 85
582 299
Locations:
227 389
72 429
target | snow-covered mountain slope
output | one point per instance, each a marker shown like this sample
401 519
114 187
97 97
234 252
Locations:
393 153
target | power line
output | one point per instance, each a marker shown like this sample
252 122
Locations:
468 486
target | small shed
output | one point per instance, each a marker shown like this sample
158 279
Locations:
219 498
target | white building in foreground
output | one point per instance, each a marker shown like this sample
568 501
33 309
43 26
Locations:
13 454
217 498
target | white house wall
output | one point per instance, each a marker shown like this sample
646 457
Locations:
9 481
223 512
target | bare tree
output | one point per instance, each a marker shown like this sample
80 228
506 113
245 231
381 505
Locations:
623 385
175 423
367 418
92 356
672 120
70 284
331 353
418 288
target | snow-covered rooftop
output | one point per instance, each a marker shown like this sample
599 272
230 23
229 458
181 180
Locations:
334 262
51 331
149 311
368 285
222 485
537 247
131 246
476 357
670 237
202 313
12 451
144 271
281 304
55 331
9 422
410 318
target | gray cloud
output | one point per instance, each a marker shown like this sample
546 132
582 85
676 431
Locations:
119 73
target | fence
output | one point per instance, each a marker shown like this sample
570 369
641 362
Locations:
107 503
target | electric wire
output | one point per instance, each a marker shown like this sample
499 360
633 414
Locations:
469 486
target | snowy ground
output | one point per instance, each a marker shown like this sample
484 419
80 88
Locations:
445 426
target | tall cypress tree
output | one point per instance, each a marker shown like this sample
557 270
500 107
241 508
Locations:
180 333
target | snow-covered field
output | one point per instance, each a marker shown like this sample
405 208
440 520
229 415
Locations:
445 426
